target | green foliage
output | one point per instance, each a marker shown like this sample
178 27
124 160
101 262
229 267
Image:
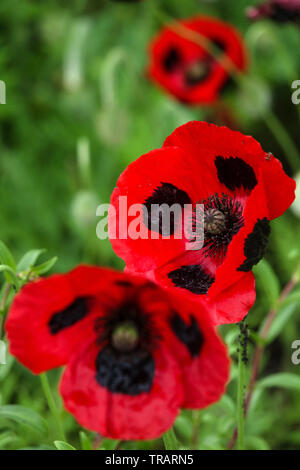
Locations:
24 416
60 445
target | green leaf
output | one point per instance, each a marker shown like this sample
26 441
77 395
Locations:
108 444
9 273
61 445
293 298
268 280
29 259
228 404
282 380
281 318
170 440
22 415
85 441
6 257
256 443
41 447
44 267
8 438
184 426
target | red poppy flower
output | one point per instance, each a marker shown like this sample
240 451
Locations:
282 11
186 69
241 189
135 353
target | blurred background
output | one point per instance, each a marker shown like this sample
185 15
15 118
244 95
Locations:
79 108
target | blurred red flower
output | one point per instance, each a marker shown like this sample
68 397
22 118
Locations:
186 69
135 353
241 187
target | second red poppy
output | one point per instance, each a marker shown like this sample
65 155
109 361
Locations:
182 66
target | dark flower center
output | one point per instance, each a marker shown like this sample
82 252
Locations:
125 362
214 221
223 218
125 337
197 72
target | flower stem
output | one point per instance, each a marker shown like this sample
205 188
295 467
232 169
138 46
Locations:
52 406
260 348
170 440
240 400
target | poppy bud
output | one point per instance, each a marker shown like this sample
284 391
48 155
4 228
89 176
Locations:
214 221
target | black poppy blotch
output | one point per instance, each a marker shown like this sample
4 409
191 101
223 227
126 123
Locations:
192 278
166 195
69 316
171 60
255 244
235 173
188 334
128 373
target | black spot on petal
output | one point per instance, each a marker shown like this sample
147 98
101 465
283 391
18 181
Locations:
171 60
255 244
161 219
123 283
235 173
69 316
128 373
192 278
190 335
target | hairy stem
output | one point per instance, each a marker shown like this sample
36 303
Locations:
241 400
258 353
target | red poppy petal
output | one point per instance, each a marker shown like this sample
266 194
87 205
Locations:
50 317
117 415
234 303
274 178
200 352
205 140
138 183
209 141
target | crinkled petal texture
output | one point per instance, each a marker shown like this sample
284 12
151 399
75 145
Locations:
180 63
191 371
50 318
122 390
116 415
235 180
